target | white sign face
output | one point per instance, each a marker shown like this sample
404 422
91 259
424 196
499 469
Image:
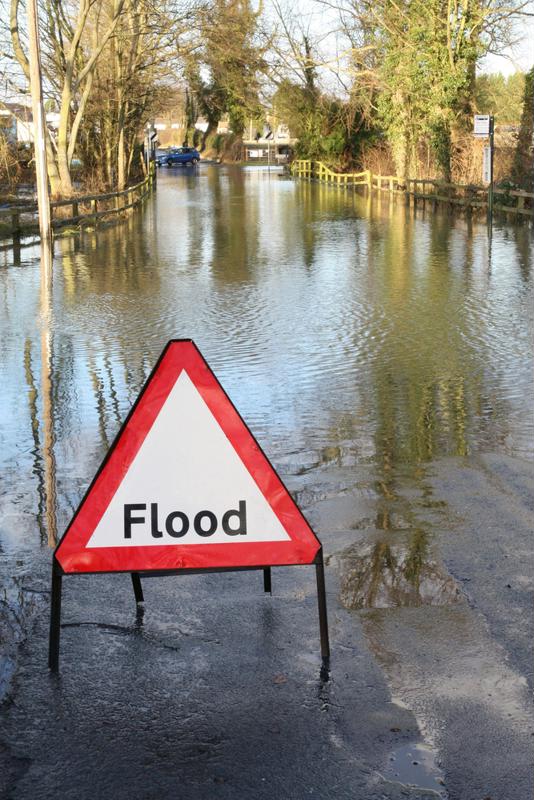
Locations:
486 165
481 125
187 485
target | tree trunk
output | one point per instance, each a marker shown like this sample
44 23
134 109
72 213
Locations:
51 165
109 162
131 153
63 136
401 155
523 169
66 187
212 127
121 161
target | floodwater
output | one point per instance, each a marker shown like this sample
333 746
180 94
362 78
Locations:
381 356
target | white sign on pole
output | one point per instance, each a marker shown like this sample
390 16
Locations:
486 165
481 125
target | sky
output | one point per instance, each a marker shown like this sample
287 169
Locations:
520 57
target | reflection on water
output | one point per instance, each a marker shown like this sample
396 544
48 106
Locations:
347 330
389 574
414 765
47 493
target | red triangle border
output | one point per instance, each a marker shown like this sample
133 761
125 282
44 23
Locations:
71 552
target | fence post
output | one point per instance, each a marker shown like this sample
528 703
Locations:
15 224
369 180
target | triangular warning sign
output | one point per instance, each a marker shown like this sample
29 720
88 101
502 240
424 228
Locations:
185 486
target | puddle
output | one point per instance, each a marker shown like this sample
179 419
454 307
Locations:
414 765
391 574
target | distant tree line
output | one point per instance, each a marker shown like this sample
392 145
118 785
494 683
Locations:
408 80
397 77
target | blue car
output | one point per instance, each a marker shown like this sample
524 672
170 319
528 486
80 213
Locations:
178 155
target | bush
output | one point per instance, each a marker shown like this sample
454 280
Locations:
10 162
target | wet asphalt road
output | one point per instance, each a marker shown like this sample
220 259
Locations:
215 690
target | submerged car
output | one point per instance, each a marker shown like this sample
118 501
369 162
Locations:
178 155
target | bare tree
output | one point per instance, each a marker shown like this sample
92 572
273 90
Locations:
105 55
75 36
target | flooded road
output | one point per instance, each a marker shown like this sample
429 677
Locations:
383 359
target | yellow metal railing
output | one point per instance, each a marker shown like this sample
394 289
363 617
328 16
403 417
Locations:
317 170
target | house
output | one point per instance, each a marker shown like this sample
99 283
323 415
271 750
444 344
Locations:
273 141
16 123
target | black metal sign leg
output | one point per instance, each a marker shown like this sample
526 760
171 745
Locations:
321 598
55 619
137 587
267 580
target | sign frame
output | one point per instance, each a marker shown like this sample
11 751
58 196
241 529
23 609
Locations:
58 572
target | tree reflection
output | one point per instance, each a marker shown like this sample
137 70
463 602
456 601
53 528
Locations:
387 574
235 227
38 461
419 377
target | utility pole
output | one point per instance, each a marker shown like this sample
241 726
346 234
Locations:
39 123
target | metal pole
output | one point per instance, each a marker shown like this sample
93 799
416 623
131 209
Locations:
267 580
55 618
321 599
39 122
137 587
153 145
490 187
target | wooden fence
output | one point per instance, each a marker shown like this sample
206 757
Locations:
510 201
21 219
